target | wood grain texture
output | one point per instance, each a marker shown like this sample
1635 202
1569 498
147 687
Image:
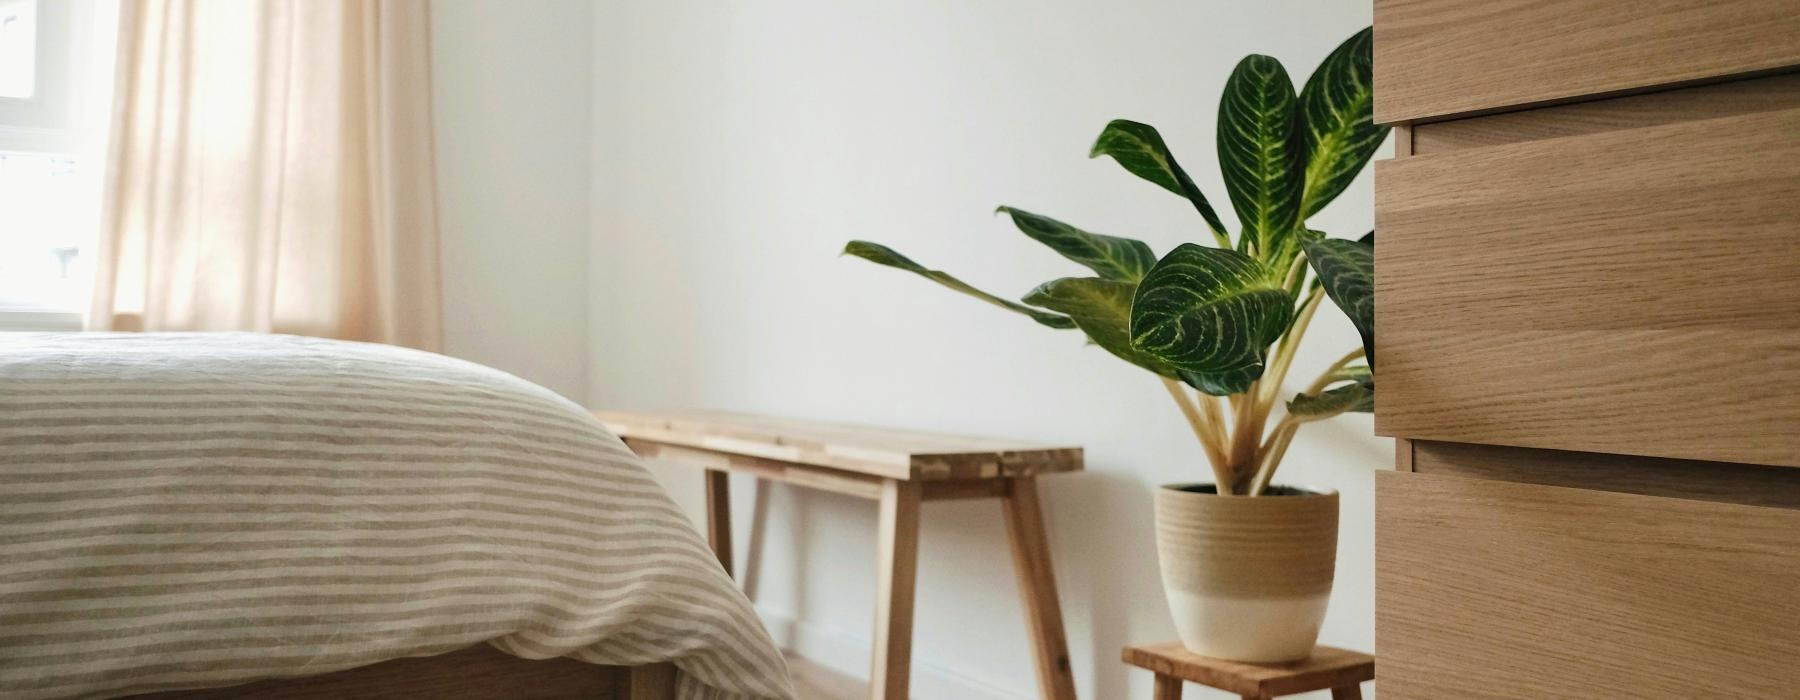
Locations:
1030 547
1727 99
1492 589
897 561
649 682
1166 688
965 489
1348 692
896 454
1629 291
718 517
1719 482
821 478
479 672
900 470
1328 667
1439 58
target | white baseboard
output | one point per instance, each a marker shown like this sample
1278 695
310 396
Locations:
849 655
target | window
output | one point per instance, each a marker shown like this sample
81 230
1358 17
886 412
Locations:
18 48
55 89
41 198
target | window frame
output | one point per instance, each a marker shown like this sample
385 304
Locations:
47 121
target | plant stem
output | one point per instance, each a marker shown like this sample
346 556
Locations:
1215 418
1295 272
1284 353
1208 436
1324 379
1272 455
1247 426
1254 457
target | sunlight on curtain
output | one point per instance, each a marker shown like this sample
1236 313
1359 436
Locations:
271 170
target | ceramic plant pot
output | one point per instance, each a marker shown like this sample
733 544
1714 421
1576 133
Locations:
1247 578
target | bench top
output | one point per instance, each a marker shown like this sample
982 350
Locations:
1328 667
894 454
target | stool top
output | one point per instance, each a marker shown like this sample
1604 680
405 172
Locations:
894 454
1328 667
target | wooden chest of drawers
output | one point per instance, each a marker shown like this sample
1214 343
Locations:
1588 317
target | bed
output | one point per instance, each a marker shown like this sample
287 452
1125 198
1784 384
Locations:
216 515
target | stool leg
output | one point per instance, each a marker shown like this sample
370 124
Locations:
718 516
891 670
1037 583
1167 687
1347 692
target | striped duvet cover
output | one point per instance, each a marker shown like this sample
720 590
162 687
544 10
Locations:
198 510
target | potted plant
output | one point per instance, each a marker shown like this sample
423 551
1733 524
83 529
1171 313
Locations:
1247 566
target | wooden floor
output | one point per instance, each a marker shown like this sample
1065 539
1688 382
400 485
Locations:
815 682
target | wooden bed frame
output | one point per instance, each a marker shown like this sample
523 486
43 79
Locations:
480 672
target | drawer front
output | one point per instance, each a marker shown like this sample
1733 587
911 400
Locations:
1439 58
1491 589
1633 291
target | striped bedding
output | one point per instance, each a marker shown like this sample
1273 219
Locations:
199 510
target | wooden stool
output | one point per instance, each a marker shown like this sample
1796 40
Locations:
899 469
1341 670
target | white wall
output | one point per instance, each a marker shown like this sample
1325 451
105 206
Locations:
738 145
514 127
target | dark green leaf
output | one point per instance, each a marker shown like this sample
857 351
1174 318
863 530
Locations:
1101 308
1258 155
1357 397
1223 383
1347 271
1111 257
1209 310
880 254
1141 150
1338 124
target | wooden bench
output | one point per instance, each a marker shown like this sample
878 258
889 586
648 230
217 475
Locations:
1340 670
899 469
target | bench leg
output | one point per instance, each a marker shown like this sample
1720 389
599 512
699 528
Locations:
1168 687
718 516
1037 584
1347 692
648 682
891 671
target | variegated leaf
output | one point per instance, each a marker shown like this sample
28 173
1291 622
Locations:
883 255
1235 381
1110 257
1209 310
1347 271
1140 149
1101 308
1337 121
1258 156
1349 398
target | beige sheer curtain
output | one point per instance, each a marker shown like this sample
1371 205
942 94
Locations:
271 170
